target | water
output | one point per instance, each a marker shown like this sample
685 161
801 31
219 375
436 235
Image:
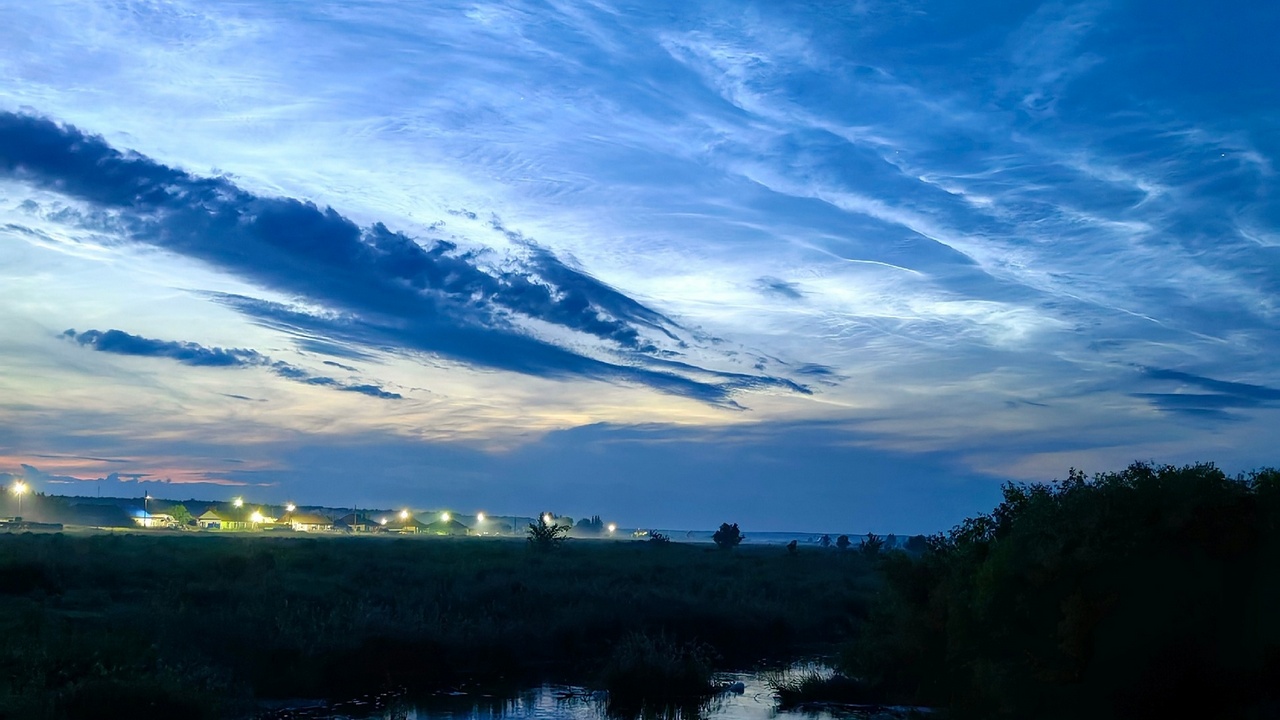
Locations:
560 702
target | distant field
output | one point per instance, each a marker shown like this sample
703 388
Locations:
201 623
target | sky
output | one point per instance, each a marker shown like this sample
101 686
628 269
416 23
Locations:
802 266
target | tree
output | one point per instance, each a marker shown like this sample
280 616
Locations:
728 536
825 541
872 545
592 524
545 535
181 514
842 542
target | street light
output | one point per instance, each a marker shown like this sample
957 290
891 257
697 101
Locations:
290 507
612 528
445 517
256 517
479 517
547 519
146 509
20 488
404 514
238 502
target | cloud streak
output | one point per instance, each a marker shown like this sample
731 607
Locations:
424 297
192 354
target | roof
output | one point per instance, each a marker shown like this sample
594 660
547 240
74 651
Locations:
353 519
395 523
303 518
451 527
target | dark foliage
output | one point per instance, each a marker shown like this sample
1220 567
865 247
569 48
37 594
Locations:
589 526
842 542
209 623
728 536
1149 592
872 545
655 673
795 689
545 535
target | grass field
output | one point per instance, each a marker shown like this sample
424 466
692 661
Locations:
203 625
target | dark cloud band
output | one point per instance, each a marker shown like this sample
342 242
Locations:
196 355
392 291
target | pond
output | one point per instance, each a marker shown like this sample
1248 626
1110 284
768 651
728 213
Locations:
562 702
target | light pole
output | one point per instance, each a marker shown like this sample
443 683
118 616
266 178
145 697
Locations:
20 489
146 510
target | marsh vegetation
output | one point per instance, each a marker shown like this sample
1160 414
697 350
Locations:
203 625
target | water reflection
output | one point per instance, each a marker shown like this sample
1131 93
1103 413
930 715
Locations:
557 702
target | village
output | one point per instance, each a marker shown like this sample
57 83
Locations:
36 511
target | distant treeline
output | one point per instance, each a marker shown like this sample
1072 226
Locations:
1149 592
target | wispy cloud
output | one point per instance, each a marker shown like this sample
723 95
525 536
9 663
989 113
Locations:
945 225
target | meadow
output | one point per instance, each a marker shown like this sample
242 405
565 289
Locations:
205 625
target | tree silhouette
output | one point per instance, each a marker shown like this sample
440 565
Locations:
728 536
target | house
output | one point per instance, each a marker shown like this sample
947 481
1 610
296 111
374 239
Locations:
155 520
353 522
214 519
307 522
404 524
446 527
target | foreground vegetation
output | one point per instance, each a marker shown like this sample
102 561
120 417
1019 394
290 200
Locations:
194 626
1150 592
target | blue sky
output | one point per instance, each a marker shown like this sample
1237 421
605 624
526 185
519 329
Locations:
828 266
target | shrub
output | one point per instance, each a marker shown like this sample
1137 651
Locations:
545 535
657 538
872 545
842 542
728 536
1129 594
648 671
814 684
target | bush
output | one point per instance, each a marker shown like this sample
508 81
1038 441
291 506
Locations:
813 684
545 535
1135 593
728 536
648 671
872 545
